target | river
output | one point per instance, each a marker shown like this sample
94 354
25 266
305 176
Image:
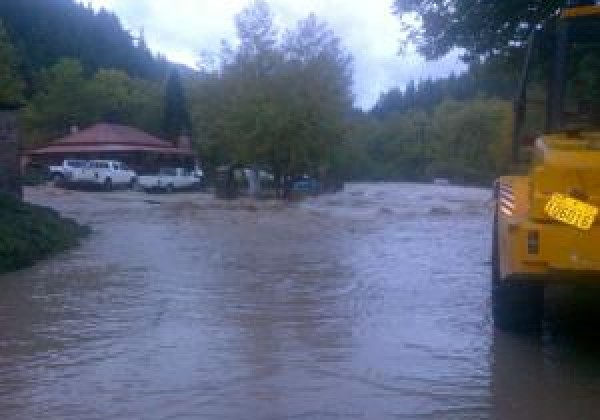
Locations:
369 304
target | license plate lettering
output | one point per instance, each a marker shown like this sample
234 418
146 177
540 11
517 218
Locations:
571 211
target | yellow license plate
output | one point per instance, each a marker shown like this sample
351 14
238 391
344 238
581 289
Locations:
571 211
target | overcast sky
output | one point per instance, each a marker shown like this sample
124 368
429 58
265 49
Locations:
182 29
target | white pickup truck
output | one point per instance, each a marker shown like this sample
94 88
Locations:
60 174
170 179
105 173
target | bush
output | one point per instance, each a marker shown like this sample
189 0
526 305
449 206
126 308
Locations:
29 233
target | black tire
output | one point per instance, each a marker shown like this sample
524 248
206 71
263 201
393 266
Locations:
170 188
133 183
517 304
108 185
138 187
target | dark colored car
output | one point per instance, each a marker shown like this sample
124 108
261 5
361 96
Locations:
305 185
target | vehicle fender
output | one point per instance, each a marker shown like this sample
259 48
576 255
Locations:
512 196
512 206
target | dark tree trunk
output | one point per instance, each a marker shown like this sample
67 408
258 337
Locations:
287 187
277 181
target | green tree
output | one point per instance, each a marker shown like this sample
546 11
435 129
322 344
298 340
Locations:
318 81
481 28
236 109
65 97
111 92
62 100
471 140
253 76
176 117
118 98
466 141
258 35
274 101
11 84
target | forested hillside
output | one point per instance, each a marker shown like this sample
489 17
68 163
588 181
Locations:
70 65
490 78
45 31
278 98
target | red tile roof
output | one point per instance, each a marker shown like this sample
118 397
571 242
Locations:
110 138
92 148
111 134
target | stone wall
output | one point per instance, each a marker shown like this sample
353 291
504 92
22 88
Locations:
10 168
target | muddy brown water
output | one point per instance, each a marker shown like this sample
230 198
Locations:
369 304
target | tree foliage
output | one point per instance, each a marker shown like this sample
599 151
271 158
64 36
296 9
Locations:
480 27
75 66
458 128
60 102
466 141
65 97
277 100
176 119
471 140
492 78
11 84
46 31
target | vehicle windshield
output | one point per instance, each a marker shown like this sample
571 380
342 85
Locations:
76 163
581 100
168 171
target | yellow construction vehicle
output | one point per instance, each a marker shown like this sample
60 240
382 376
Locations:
546 224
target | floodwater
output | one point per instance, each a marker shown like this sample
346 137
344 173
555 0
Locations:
369 304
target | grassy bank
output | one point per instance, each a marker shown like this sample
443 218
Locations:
29 233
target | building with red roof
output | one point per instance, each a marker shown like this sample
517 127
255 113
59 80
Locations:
139 150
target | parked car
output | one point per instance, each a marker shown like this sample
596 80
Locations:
170 179
59 174
104 173
305 185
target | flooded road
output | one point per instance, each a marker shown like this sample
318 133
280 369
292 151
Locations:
369 304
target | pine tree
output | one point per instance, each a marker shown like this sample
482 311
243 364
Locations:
176 120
